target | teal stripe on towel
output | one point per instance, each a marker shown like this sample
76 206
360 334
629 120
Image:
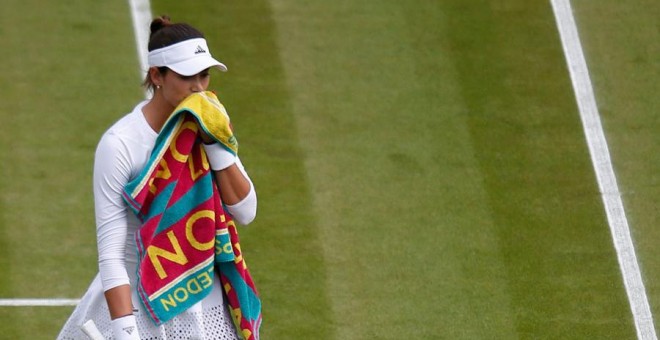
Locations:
160 201
196 195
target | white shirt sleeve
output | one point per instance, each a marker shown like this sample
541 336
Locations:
111 173
244 211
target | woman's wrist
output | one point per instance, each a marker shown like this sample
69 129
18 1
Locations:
219 158
125 328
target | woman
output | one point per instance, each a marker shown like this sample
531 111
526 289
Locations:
179 61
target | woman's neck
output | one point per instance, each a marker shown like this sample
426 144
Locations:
156 112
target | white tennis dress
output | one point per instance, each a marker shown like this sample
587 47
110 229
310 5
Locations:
120 156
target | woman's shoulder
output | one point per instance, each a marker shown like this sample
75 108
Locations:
129 123
132 127
127 143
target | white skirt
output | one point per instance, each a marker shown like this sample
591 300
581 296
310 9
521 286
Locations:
208 319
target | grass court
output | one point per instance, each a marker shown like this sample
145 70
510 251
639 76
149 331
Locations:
421 167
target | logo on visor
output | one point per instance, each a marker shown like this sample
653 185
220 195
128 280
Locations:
199 50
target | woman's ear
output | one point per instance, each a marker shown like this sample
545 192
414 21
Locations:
155 76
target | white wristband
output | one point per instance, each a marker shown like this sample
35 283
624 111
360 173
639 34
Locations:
218 157
125 328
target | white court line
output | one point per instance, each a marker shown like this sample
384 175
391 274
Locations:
37 302
141 16
600 158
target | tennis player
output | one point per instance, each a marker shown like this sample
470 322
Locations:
180 63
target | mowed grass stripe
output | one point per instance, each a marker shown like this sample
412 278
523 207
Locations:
560 262
68 70
622 43
407 232
604 171
282 246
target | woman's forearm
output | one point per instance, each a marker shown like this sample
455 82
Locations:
234 187
119 301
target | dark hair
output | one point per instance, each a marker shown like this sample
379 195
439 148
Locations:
165 33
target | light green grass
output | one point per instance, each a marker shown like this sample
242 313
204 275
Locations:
68 71
622 44
559 257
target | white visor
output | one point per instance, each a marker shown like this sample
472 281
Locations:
186 58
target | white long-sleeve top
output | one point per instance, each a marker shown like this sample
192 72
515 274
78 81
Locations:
121 154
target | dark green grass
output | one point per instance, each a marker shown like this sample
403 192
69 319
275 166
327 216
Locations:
282 245
32 322
407 241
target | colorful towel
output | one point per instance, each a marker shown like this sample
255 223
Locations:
186 233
